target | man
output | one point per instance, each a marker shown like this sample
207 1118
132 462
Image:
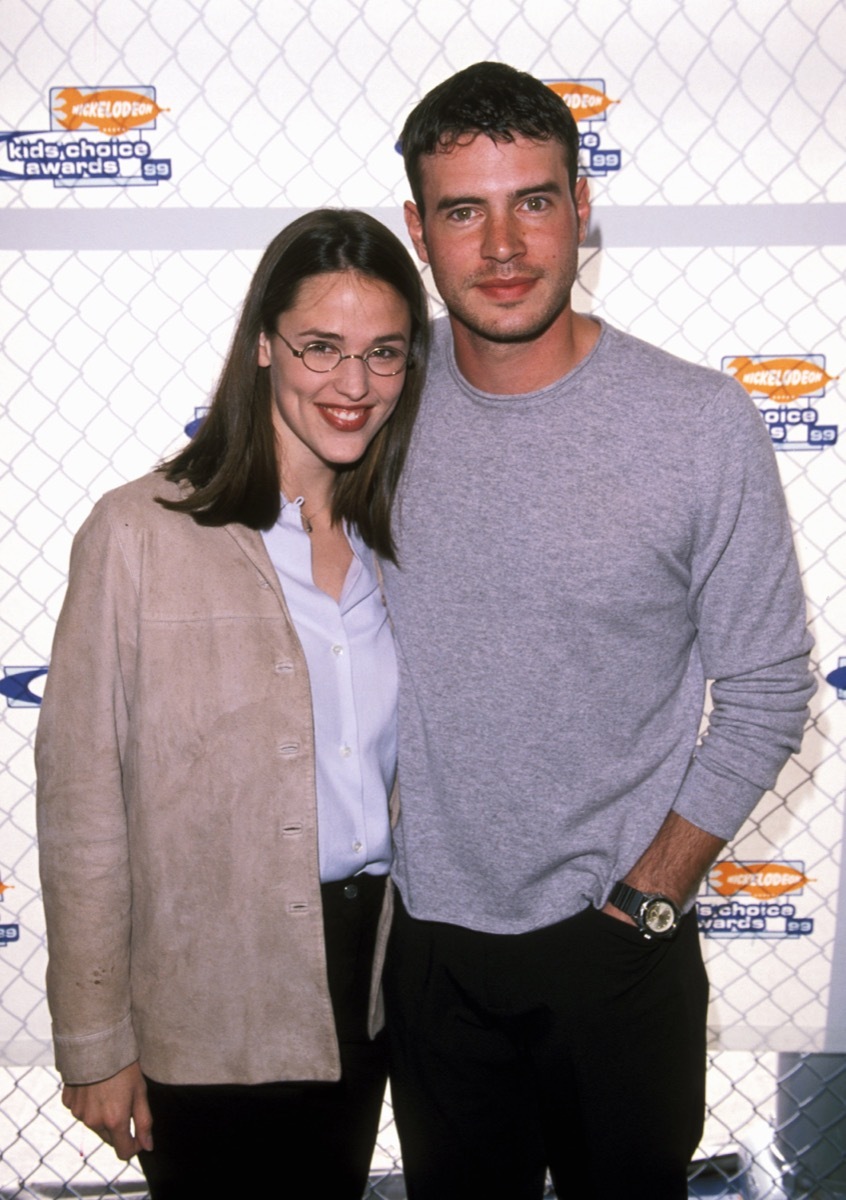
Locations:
589 530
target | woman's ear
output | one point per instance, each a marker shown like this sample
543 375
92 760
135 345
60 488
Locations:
263 350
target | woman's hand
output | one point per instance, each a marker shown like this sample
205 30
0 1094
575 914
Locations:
107 1107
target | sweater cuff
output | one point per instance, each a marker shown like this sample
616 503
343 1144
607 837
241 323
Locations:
719 804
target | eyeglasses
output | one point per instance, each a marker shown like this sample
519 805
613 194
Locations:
321 357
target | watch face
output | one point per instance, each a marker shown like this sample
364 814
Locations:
659 916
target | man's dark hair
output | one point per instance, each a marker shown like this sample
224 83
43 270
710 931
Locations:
232 464
490 98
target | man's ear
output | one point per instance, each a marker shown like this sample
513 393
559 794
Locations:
263 350
414 225
581 193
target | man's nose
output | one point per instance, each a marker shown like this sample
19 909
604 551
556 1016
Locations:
503 239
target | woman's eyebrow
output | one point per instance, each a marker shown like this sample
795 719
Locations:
330 336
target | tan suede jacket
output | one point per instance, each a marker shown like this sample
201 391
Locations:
177 815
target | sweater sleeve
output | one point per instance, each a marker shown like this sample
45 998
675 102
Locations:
748 606
82 828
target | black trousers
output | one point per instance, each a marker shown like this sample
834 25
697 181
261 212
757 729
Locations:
579 1047
286 1139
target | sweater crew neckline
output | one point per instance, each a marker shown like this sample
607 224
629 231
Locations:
503 401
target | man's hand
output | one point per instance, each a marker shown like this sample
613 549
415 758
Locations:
107 1107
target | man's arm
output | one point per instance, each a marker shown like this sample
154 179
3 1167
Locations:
746 598
674 863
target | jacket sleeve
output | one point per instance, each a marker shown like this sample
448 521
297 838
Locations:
82 828
747 602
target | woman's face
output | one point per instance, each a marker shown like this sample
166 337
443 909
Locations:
328 420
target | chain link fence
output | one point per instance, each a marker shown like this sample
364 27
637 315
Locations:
718 173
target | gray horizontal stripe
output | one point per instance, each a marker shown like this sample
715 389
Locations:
252 228
719 225
154 229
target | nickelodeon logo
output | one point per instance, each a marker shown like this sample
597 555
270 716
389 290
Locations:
783 389
112 111
763 881
584 102
588 101
781 380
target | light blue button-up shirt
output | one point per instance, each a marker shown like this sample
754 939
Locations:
349 649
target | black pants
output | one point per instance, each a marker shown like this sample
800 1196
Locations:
579 1047
286 1139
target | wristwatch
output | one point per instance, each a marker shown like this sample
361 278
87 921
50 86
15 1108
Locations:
654 914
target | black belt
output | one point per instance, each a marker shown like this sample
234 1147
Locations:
356 887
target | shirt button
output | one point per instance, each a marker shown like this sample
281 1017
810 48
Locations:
337 649
357 847
345 752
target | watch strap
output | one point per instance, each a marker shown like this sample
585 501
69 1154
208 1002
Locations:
627 899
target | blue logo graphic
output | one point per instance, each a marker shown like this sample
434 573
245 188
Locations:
9 934
193 427
15 686
837 678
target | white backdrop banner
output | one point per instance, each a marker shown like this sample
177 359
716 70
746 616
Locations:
149 151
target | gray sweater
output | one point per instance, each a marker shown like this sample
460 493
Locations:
575 564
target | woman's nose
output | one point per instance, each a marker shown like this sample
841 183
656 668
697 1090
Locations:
352 377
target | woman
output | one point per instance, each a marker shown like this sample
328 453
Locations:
217 746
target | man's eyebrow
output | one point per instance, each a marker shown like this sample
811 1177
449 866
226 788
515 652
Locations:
457 202
553 188
550 187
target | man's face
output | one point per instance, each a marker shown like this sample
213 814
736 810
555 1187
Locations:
501 233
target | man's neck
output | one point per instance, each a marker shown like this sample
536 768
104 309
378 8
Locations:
514 368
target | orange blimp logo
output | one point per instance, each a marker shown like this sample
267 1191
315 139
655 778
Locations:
763 881
781 380
113 111
584 102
